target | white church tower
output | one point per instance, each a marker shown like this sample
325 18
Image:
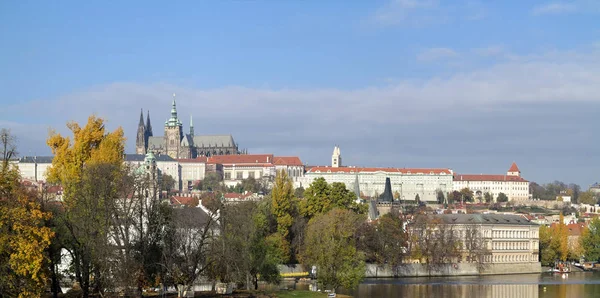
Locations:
336 157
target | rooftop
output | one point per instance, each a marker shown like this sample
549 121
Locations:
485 219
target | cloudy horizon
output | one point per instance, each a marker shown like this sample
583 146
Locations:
403 83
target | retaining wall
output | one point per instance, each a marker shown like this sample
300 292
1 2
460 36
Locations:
414 270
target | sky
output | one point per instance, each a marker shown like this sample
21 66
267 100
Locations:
467 85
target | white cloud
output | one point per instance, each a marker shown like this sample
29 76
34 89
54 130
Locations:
555 8
434 54
416 121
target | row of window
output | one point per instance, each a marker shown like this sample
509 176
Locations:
511 258
510 234
510 245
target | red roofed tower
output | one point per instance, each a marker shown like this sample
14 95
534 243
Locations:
514 170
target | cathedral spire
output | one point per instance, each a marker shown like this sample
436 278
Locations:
173 121
141 118
148 125
191 126
174 108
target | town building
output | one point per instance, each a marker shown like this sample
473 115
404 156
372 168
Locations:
595 188
178 144
34 167
506 238
236 168
511 184
406 183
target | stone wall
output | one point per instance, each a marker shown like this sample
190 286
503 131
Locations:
414 270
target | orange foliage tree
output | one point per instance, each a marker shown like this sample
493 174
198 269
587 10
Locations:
23 236
89 167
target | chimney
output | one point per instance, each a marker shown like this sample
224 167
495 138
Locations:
267 159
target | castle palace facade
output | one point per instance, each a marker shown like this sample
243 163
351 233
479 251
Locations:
177 144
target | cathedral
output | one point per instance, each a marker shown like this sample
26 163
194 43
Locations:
178 144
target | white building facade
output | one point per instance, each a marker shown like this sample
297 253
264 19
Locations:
406 183
512 184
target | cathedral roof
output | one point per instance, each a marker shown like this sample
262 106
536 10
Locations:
214 141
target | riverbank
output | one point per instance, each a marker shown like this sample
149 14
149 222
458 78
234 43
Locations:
459 269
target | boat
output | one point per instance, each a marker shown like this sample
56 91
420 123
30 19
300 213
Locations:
560 268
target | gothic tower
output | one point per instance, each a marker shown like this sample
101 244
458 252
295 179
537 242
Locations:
191 126
173 133
148 128
141 141
336 157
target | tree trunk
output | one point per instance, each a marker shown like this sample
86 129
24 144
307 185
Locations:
255 280
85 276
55 286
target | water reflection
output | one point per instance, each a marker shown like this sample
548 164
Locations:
529 285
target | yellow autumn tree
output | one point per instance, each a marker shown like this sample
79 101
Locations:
561 236
23 236
88 165
91 145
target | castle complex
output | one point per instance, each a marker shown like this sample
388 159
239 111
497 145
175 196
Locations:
177 144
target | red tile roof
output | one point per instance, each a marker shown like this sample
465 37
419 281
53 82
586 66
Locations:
324 169
193 160
241 159
235 195
575 229
487 177
287 160
514 168
189 201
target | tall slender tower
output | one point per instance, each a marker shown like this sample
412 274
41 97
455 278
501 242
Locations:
173 133
141 139
336 157
191 126
148 125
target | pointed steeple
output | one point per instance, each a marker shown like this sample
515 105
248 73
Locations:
141 118
387 195
148 125
191 126
173 121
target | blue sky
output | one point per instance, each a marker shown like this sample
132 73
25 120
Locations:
469 85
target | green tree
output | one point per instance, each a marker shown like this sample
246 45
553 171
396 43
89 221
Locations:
590 240
167 184
489 198
502 198
330 245
212 181
299 192
250 184
283 205
316 198
23 236
417 198
587 197
384 241
466 195
241 252
441 199
547 254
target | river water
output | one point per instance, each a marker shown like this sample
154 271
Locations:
546 285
